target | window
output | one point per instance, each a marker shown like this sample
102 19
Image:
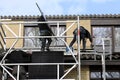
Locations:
112 72
112 32
100 32
35 42
117 39
109 75
55 31
95 75
31 42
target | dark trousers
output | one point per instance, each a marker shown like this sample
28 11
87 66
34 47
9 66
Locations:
73 41
44 44
44 40
82 38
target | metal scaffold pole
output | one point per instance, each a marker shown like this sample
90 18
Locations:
103 61
79 61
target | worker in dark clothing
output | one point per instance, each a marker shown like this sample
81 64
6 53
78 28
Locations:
83 35
19 56
45 31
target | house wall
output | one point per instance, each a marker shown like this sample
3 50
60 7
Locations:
85 72
15 28
1 41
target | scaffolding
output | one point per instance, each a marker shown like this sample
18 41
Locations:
77 59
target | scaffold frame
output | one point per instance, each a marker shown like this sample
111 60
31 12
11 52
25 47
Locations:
77 63
17 37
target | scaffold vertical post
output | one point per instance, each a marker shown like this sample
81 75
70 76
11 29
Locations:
58 31
58 71
18 72
103 60
79 61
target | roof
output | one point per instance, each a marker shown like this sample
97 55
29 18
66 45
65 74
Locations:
86 16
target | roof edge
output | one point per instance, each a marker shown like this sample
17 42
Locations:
62 16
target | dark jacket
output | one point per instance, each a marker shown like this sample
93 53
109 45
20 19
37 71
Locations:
44 27
82 30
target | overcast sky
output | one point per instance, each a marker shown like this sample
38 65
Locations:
59 7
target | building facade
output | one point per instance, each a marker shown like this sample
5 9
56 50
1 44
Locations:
100 26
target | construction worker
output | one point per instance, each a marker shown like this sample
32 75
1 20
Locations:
83 35
19 56
45 30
